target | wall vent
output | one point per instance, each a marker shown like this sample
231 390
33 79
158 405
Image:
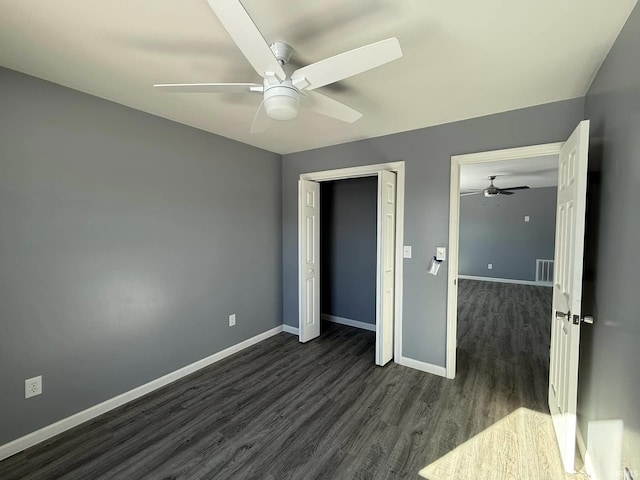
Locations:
544 272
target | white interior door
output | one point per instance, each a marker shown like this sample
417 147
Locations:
309 259
567 290
386 266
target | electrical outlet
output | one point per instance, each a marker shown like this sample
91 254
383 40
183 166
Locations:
33 386
232 319
526 218
490 266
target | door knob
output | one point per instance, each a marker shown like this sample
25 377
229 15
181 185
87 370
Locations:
563 315
587 319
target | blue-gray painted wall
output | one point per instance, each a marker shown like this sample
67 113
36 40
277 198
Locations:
427 154
610 349
493 230
348 241
126 240
122 246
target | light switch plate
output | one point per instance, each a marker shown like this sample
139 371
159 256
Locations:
441 253
406 251
526 218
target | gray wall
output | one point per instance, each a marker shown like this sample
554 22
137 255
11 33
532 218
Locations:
126 240
348 220
609 385
427 153
493 230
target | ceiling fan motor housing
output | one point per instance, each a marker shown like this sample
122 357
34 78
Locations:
491 191
282 102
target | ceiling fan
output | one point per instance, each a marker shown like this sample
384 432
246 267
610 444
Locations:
282 93
493 191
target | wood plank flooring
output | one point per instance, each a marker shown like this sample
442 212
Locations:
283 410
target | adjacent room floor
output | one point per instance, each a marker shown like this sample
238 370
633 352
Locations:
283 410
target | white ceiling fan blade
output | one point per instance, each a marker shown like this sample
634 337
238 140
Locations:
470 193
247 37
347 64
332 108
260 120
209 87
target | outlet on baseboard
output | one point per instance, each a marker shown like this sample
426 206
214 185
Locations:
490 266
232 319
33 386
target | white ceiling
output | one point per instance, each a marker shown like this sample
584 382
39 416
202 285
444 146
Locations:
462 59
536 172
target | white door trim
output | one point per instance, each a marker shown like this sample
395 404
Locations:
454 228
368 171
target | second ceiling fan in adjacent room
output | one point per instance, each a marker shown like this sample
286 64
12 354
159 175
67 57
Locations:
493 191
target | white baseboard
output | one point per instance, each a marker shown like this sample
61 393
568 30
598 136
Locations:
582 448
291 330
506 280
49 431
347 321
423 366
603 460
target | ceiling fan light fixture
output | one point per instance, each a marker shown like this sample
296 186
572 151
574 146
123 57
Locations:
281 102
282 89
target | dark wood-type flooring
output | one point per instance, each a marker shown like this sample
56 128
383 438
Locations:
283 410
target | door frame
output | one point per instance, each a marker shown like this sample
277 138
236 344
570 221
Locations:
457 161
398 168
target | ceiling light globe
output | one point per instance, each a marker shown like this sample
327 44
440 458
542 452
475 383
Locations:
282 102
